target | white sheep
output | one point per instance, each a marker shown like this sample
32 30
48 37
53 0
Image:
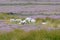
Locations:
28 19
33 20
22 22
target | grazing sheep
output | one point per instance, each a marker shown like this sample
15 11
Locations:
28 19
33 20
22 22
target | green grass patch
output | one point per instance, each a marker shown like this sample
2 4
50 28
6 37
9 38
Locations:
6 16
32 35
